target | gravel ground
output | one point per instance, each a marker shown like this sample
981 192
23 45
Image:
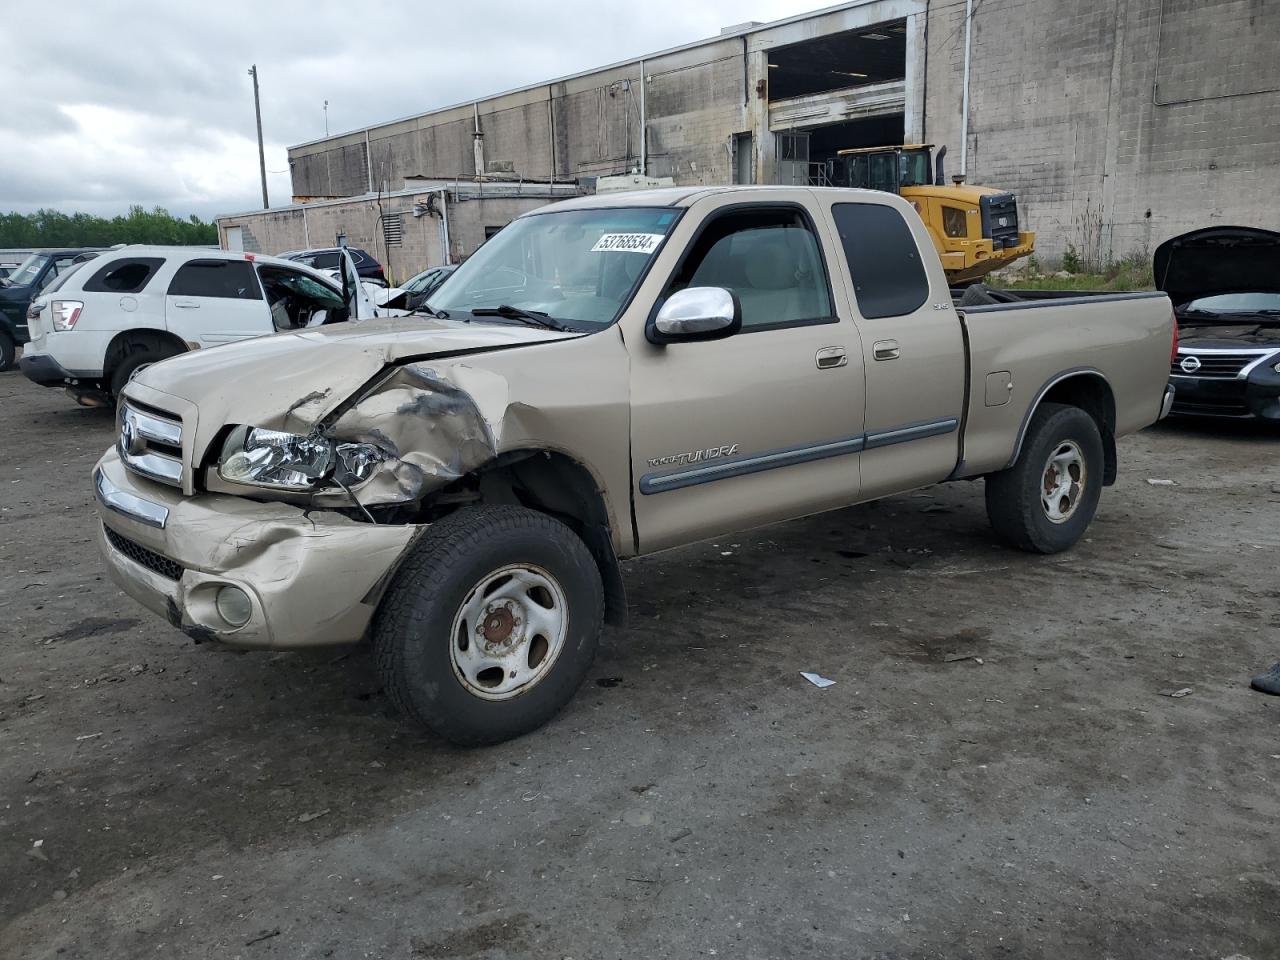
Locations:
994 773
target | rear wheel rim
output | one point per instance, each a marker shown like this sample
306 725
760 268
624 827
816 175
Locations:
508 632
1062 482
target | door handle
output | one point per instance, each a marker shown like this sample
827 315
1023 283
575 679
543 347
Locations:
185 304
885 350
830 357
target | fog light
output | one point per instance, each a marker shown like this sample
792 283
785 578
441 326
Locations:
234 606
1276 368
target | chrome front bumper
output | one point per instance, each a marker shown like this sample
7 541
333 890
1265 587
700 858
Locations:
313 579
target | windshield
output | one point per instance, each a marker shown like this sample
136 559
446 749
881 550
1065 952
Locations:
1235 303
421 281
30 269
577 266
63 276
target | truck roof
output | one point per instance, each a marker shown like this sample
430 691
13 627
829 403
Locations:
687 196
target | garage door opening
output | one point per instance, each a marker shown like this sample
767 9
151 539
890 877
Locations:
807 156
855 58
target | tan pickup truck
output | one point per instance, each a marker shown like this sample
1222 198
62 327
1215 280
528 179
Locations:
607 377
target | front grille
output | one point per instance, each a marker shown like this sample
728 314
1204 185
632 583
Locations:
155 562
1000 219
150 443
1213 366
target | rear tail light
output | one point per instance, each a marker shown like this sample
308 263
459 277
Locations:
66 313
1173 353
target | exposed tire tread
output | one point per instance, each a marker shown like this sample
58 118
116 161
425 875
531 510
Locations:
1013 495
422 582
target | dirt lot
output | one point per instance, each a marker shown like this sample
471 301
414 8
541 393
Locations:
698 798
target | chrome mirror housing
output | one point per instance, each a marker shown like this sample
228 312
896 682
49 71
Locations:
697 313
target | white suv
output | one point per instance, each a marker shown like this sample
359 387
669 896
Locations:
98 326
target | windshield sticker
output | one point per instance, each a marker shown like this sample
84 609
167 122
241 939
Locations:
644 243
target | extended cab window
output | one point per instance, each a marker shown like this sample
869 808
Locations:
770 258
227 279
884 261
124 276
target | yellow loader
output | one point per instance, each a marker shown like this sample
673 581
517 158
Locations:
975 229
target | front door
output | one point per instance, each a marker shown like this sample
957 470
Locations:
215 301
763 425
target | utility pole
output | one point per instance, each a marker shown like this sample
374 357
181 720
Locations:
262 157
326 118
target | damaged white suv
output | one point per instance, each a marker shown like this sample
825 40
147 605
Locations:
137 305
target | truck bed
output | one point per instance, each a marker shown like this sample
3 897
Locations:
1047 336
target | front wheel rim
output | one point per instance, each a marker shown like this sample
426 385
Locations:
508 632
1063 481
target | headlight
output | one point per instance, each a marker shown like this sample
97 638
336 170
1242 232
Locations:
290 461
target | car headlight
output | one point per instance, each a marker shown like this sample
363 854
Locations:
291 461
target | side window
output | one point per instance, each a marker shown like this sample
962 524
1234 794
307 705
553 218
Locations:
227 279
770 258
884 261
326 261
124 276
955 223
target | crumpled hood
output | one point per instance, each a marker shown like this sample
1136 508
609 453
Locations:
1217 260
292 381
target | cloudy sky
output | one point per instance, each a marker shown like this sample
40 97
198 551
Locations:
103 105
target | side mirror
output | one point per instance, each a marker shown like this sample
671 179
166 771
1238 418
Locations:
696 313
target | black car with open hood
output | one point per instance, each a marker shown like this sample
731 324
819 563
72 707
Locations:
1225 286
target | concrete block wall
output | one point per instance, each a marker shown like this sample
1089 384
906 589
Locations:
1120 123
694 112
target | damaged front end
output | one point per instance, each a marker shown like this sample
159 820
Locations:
408 433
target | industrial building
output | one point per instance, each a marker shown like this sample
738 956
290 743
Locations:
426 222
1118 123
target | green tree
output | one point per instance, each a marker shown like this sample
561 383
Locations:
52 228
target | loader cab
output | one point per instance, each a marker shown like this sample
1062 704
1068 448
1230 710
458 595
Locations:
974 229
883 168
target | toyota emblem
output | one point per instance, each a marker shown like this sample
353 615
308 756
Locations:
130 442
1190 364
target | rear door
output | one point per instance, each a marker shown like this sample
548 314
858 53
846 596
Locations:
215 300
913 345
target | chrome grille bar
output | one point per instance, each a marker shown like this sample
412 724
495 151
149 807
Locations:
149 445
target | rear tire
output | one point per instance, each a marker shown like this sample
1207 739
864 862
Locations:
1046 500
139 352
490 624
8 351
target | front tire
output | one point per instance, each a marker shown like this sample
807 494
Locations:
490 624
1046 500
